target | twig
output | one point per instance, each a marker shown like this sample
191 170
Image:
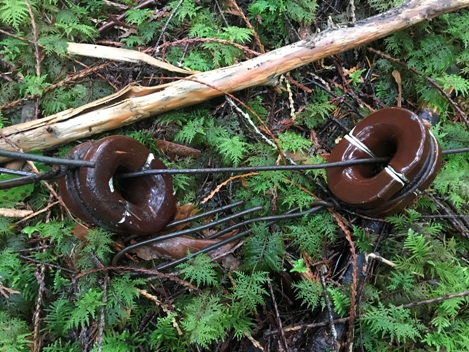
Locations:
241 14
37 338
171 15
298 84
346 86
341 98
71 78
232 178
109 24
5 291
307 326
353 287
323 271
455 222
279 321
168 309
16 36
435 300
248 119
32 260
381 259
29 216
290 98
102 313
272 143
220 10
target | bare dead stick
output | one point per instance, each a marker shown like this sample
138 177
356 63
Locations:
134 103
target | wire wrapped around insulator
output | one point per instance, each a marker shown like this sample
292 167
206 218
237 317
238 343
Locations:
390 187
96 195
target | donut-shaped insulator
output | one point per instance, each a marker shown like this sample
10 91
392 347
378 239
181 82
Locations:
385 189
140 205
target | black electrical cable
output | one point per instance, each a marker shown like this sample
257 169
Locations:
117 257
194 217
45 159
257 168
455 151
315 206
52 174
274 167
4 170
70 163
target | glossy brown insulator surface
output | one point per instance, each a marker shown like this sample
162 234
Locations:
380 190
139 205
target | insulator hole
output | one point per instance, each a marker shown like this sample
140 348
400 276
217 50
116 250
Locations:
385 149
131 189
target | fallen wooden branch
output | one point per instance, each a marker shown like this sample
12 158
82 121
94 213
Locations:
118 54
135 103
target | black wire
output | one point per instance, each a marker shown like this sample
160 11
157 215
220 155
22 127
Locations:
4 170
273 167
273 219
31 178
207 213
256 168
194 217
117 257
455 151
52 174
45 159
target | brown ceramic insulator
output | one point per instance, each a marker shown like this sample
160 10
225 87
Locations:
140 205
385 189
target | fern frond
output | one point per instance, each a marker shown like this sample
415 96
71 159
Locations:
311 236
249 289
340 301
382 5
85 308
14 334
290 141
200 270
236 34
232 149
193 128
204 320
137 16
395 324
457 83
14 13
309 292
263 250
164 334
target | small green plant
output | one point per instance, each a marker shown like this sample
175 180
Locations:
14 334
200 271
273 17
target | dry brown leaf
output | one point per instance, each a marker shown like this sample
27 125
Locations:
174 150
80 231
177 247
